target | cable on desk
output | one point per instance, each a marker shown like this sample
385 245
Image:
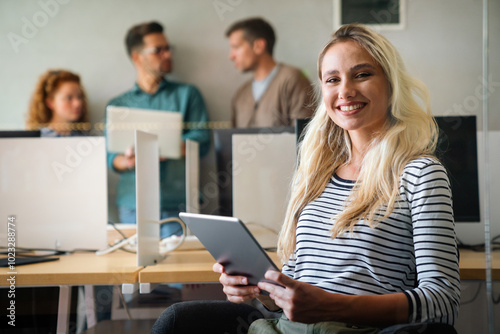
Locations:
132 241
129 241
117 229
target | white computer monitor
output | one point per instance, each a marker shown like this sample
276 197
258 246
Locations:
147 176
147 172
263 168
224 161
121 123
57 189
192 176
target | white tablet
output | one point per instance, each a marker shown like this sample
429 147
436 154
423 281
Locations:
121 123
231 244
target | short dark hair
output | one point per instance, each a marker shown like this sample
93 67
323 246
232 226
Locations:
135 35
253 29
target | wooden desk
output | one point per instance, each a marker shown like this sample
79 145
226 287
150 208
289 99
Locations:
196 267
178 267
78 269
186 267
473 265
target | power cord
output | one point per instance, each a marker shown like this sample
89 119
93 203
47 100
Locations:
117 229
131 242
476 294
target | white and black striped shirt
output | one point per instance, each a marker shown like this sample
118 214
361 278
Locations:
412 251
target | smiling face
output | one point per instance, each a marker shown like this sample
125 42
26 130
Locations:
355 90
67 103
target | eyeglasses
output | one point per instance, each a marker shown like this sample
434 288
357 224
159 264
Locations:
157 50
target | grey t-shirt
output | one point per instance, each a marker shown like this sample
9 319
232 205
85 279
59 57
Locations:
259 87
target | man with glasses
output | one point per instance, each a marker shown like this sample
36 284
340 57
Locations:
151 54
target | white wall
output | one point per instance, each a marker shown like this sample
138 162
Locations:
87 37
441 46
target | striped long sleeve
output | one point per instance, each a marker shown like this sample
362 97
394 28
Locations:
412 251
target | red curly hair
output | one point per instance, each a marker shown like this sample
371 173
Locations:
39 114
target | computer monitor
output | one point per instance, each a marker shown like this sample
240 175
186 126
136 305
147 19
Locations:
264 165
19 133
300 124
57 189
147 173
192 176
457 151
224 162
472 232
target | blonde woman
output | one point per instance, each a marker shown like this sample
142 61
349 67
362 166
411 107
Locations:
58 105
368 241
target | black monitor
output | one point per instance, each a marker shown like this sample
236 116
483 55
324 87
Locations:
300 124
457 151
19 133
224 160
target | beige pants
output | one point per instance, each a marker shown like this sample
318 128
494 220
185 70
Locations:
285 326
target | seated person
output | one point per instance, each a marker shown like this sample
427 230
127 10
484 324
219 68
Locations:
58 106
368 240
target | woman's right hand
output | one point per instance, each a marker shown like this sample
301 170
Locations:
236 288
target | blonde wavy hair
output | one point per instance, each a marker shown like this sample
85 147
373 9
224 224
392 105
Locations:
39 114
410 132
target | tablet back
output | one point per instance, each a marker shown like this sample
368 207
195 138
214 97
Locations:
231 244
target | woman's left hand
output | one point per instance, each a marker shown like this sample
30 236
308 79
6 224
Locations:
301 302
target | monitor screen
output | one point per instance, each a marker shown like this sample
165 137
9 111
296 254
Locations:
457 150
